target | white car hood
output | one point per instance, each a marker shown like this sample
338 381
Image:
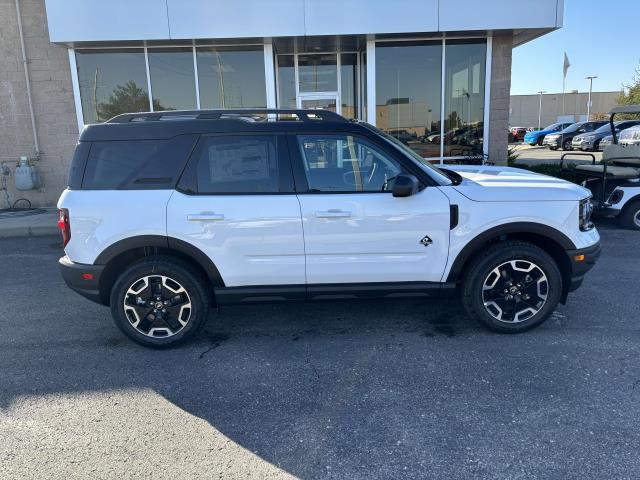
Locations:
506 184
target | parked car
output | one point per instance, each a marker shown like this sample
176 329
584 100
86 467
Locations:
518 133
536 137
403 135
169 213
630 136
590 141
563 138
608 140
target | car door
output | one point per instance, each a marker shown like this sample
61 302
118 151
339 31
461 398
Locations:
355 230
236 203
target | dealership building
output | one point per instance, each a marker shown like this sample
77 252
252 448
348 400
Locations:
434 73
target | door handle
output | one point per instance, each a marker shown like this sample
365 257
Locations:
205 217
333 214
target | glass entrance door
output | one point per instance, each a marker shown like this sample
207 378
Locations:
327 81
320 101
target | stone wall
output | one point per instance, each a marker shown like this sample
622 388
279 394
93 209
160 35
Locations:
499 102
52 97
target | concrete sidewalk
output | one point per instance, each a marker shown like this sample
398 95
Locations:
28 224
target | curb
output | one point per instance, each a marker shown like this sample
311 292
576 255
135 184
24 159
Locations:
29 231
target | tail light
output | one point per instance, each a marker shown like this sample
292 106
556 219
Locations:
64 225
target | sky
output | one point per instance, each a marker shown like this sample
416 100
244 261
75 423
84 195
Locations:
600 38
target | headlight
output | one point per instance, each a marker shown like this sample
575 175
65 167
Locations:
585 214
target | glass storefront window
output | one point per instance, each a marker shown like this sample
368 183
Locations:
231 77
286 81
172 78
317 73
112 81
348 84
408 93
464 98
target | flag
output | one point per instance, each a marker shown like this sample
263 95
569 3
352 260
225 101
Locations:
565 65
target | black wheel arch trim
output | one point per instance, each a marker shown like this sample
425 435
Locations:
170 243
511 228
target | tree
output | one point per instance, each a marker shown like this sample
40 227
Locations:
125 98
630 94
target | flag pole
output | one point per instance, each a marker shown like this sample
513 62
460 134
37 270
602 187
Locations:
563 82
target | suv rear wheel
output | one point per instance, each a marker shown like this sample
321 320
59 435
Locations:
512 287
159 302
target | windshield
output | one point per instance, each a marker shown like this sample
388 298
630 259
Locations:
432 171
605 128
553 126
572 128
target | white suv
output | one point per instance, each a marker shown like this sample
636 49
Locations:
167 214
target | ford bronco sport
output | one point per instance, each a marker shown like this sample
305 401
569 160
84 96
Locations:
169 213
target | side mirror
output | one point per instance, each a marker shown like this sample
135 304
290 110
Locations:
405 185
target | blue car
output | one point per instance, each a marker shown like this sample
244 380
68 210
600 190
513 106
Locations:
537 136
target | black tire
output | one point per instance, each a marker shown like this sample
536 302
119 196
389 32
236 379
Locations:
193 307
630 216
481 271
553 148
566 145
540 140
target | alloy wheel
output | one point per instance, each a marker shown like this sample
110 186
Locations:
157 306
515 291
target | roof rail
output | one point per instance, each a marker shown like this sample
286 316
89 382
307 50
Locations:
305 115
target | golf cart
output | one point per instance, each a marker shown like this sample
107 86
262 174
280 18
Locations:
615 182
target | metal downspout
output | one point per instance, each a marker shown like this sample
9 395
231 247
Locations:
36 144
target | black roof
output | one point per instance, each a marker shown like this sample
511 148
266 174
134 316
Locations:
167 124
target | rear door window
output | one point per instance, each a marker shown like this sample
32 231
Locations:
136 164
239 164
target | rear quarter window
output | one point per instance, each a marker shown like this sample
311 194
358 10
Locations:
136 164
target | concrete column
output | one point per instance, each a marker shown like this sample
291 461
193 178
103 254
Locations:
500 95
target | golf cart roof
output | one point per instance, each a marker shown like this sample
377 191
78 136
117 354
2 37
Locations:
626 109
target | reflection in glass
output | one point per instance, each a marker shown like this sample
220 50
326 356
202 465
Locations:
408 89
319 104
112 82
231 77
464 98
172 78
348 84
286 82
318 73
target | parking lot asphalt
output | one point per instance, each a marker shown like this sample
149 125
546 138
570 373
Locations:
535 155
380 389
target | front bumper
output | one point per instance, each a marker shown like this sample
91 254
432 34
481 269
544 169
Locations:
81 278
581 261
551 142
582 144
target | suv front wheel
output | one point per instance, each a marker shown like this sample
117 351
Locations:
512 287
159 302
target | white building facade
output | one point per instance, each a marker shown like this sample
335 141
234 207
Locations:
433 73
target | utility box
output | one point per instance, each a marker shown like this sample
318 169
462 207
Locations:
26 175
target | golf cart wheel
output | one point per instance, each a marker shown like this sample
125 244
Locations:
566 145
159 302
512 287
630 216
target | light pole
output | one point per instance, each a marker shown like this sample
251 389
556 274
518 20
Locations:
590 78
540 108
